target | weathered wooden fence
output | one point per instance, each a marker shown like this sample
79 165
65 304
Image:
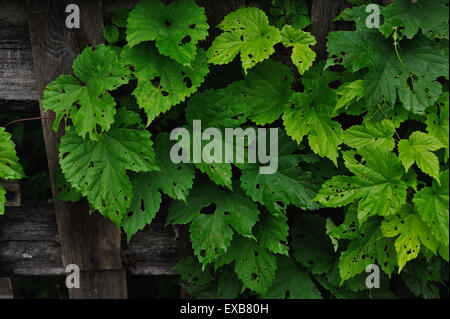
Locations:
41 238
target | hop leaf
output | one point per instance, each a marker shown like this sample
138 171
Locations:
349 93
273 232
214 214
162 82
412 232
418 149
379 184
88 103
438 122
312 248
412 16
290 184
98 168
409 73
368 248
111 34
9 163
246 31
311 114
432 203
378 135
265 90
300 41
176 29
175 180
2 200
253 264
292 282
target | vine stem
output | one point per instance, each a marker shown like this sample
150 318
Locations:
29 119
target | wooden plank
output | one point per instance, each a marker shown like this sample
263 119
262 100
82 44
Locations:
5 289
29 244
89 241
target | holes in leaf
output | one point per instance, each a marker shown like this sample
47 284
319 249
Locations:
165 93
156 82
188 82
168 24
187 39
209 210
192 26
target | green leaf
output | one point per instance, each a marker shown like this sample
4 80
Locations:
349 93
120 17
412 232
432 203
349 228
216 108
253 264
195 280
421 276
418 149
66 192
412 16
213 211
175 180
374 134
311 246
111 33
88 103
311 114
379 184
9 163
438 122
98 168
266 91
162 82
368 248
246 31
292 282
411 74
2 200
273 232
300 41
290 184
176 29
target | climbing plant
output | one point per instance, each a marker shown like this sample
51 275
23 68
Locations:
362 173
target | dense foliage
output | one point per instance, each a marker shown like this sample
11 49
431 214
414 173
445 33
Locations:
363 172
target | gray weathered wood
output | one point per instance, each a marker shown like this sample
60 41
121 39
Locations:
89 241
5 289
29 244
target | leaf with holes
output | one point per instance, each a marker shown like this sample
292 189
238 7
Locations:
378 185
292 282
253 264
290 184
98 168
88 102
437 120
265 90
410 16
411 74
300 41
432 203
176 29
162 82
368 248
245 31
214 214
311 114
419 149
374 134
412 232
175 180
273 232
311 246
